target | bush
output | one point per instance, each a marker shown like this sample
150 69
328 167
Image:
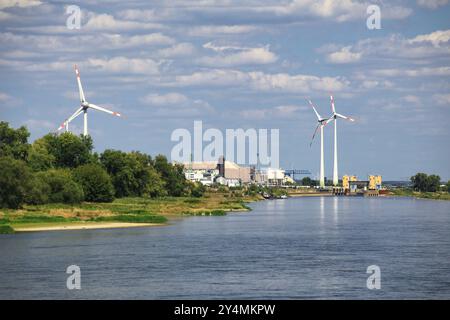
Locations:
38 191
95 182
14 181
197 190
62 186
6 229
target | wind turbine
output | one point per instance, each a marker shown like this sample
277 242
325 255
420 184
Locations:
84 108
334 117
321 123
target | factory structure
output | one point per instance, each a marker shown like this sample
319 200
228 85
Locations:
370 187
230 174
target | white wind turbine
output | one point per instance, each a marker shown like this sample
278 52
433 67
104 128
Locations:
321 123
83 108
334 117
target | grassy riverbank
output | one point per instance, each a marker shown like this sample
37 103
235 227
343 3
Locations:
442 195
119 213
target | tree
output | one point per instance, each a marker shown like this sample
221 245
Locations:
14 181
306 181
38 191
197 189
13 142
95 182
172 175
62 187
39 158
423 182
419 181
69 150
448 186
433 183
118 167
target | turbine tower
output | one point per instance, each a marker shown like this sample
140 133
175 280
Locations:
334 117
83 108
321 123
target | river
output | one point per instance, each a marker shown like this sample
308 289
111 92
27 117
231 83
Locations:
309 248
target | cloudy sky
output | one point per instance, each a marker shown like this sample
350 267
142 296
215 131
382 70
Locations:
239 64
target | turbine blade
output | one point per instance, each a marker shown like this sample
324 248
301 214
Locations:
80 88
315 131
329 120
312 105
75 114
93 106
344 117
332 104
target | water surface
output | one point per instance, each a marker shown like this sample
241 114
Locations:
284 249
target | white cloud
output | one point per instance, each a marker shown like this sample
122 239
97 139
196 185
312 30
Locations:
436 38
417 72
106 22
212 30
170 98
177 50
234 56
262 81
176 105
432 4
19 3
279 112
442 99
344 56
126 65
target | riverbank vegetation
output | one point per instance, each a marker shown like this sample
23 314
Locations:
59 179
426 187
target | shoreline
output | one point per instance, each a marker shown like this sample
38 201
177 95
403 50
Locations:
84 226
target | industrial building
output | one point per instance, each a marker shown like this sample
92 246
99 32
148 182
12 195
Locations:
229 173
371 186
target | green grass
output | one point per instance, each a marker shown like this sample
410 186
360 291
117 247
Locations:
6 229
136 210
442 195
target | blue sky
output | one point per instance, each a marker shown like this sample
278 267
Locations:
239 64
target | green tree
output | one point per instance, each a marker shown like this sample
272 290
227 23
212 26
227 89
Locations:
13 142
173 176
197 189
419 181
69 150
95 182
306 181
433 183
448 186
119 168
39 158
63 188
14 181
38 191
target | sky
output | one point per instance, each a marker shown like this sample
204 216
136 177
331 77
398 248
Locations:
239 64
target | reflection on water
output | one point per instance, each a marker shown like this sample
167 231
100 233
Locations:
294 248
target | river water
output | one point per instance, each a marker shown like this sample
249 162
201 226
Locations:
309 248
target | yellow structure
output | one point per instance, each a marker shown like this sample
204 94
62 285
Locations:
346 180
374 182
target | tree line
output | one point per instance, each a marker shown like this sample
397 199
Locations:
64 169
428 183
